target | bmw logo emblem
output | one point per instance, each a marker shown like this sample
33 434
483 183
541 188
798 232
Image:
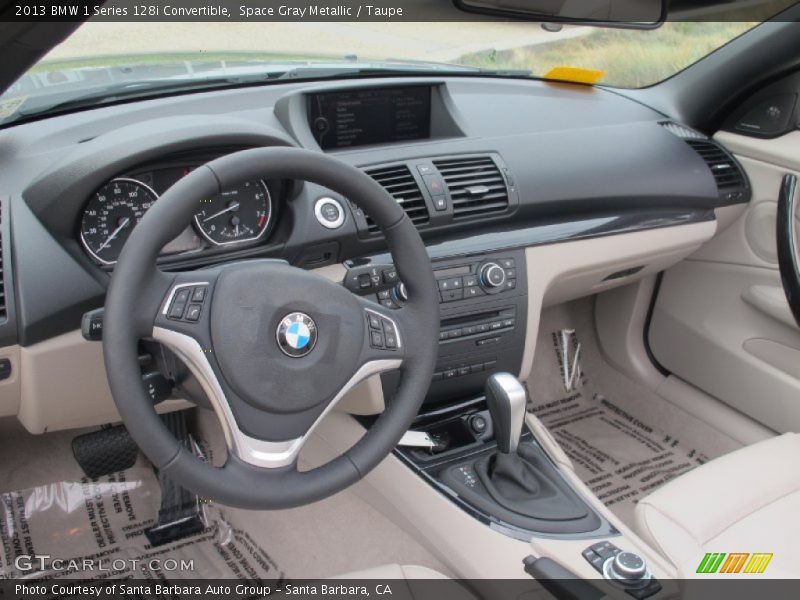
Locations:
297 334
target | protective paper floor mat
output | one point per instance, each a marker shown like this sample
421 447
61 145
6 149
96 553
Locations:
94 529
618 456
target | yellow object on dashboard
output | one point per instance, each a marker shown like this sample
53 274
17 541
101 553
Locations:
574 75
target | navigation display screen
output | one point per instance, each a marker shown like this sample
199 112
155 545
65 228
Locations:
351 118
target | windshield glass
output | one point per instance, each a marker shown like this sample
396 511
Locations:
108 61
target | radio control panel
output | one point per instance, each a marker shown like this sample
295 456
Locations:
483 315
465 282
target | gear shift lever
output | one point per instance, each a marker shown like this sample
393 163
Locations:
506 399
516 482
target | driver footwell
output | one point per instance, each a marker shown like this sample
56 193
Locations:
48 508
95 528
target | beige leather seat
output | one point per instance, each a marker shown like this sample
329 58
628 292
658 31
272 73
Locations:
394 571
746 501
406 583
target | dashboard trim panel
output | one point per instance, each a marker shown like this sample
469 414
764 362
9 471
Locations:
506 238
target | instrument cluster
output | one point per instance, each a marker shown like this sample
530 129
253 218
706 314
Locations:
238 217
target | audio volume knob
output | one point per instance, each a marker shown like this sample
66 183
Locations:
492 275
400 293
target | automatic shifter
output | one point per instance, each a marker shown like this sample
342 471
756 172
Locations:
513 476
506 398
509 478
517 483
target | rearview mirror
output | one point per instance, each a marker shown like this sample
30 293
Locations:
640 14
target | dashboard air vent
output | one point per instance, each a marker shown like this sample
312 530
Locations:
401 185
724 167
3 313
682 131
476 185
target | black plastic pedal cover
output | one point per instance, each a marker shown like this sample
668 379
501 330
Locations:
106 451
181 514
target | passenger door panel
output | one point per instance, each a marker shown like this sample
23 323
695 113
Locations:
721 320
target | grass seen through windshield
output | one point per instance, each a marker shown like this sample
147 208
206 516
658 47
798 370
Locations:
630 58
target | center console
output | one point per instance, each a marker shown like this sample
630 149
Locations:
469 441
481 456
483 311
473 414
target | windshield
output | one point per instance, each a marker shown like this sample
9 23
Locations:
105 61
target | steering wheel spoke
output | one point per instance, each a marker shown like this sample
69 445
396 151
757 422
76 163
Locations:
183 324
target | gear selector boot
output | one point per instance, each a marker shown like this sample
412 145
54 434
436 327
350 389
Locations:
518 483
513 476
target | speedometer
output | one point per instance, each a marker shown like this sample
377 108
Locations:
110 216
240 214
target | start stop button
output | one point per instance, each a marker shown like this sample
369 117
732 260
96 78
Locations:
329 213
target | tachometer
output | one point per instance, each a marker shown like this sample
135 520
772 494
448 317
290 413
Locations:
110 216
240 214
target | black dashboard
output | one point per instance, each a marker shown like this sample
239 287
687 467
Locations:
479 165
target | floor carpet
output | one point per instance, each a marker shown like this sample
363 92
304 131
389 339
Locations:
623 440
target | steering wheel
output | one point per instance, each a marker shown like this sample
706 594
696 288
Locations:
274 347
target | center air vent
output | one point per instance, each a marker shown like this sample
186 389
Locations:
475 183
401 185
726 171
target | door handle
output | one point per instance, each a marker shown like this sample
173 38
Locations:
786 236
770 300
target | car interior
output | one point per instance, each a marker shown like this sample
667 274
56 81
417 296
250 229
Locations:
408 325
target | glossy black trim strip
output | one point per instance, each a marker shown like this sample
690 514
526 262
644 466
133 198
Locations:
787 244
8 321
646 331
555 231
428 474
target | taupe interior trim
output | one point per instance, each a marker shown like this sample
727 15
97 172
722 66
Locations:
712 411
63 385
562 272
783 151
771 300
621 319
10 388
711 337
